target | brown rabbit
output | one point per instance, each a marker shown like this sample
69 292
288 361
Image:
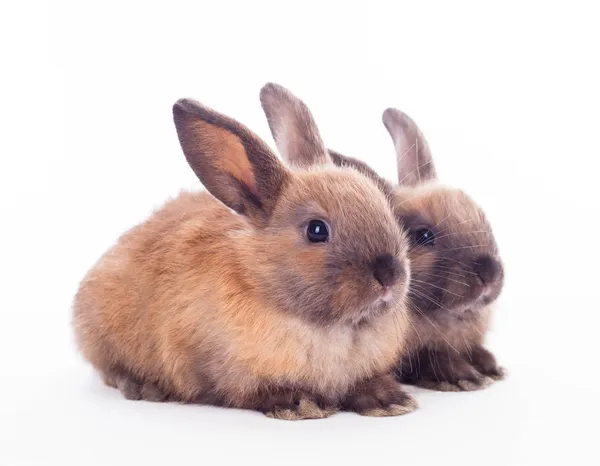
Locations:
283 293
456 271
456 267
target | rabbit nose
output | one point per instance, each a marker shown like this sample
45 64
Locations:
387 270
487 269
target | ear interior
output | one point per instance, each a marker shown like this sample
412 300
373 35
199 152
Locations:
234 164
293 127
414 160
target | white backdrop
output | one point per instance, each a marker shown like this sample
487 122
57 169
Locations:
508 97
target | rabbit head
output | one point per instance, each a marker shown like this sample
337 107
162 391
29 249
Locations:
454 256
455 266
324 243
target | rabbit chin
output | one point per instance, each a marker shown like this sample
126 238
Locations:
488 295
387 302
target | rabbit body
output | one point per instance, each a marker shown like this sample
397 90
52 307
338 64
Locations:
233 297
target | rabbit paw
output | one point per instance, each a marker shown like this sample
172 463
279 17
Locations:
292 404
477 382
304 408
133 389
444 371
380 396
486 364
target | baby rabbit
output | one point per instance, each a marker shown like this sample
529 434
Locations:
277 291
456 271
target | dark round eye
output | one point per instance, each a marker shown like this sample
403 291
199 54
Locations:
317 231
424 236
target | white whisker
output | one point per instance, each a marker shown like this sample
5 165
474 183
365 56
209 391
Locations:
467 247
451 279
416 169
406 152
442 220
460 223
460 233
435 286
435 327
421 293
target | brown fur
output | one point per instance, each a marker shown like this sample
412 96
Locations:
202 304
344 161
455 280
379 396
450 306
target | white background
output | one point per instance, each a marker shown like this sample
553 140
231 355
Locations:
509 99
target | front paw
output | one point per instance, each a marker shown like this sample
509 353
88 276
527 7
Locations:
293 405
380 396
476 382
442 371
486 364
304 408
497 373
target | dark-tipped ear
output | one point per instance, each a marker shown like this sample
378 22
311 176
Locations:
344 161
234 164
415 164
293 127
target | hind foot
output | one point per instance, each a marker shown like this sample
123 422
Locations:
132 389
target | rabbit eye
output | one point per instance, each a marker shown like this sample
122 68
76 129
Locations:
424 236
317 231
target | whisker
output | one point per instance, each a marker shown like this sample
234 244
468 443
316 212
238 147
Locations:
423 295
461 233
476 329
406 152
468 348
417 154
467 247
432 362
453 260
435 327
396 325
442 220
451 271
435 286
460 223
408 200
451 279
416 331
417 288
415 170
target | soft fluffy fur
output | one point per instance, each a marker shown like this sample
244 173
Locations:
221 299
454 281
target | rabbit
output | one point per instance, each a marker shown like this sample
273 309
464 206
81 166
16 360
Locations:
457 273
276 291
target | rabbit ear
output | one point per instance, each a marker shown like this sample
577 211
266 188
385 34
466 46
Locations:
234 164
293 127
345 161
415 164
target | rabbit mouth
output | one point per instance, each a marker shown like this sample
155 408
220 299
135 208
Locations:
487 296
386 297
380 306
